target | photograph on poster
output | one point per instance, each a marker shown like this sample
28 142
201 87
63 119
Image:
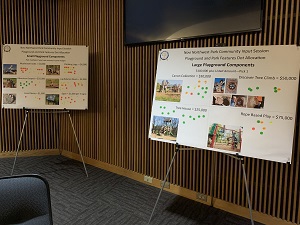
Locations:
238 101
10 69
168 90
52 69
164 128
256 102
9 82
52 99
225 137
231 85
221 99
9 98
52 83
219 85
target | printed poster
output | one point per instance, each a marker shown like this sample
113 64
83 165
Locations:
45 76
228 99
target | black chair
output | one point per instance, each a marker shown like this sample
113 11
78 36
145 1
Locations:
25 200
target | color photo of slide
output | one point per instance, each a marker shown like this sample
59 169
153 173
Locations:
225 137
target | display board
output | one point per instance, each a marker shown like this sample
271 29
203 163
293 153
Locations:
44 76
228 99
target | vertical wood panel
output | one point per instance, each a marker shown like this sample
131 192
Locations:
27 22
121 82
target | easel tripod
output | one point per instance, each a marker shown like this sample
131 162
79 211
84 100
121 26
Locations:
237 157
27 111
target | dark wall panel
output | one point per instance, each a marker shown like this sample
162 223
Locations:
27 22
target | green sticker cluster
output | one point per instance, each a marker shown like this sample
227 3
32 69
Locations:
192 118
26 84
250 89
168 112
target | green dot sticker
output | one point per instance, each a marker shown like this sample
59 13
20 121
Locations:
198 93
162 113
164 107
202 88
250 89
199 116
168 113
206 88
202 96
258 121
261 133
203 116
188 86
183 122
173 111
205 92
190 116
257 88
183 115
160 107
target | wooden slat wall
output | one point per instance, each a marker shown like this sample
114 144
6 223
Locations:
27 22
115 128
121 78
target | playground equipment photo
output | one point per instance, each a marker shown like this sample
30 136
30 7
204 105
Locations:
225 137
164 128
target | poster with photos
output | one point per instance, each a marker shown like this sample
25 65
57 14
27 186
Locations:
228 99
45 76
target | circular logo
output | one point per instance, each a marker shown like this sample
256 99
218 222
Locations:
7 48
164 55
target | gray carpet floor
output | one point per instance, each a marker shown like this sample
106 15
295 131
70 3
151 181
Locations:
107 198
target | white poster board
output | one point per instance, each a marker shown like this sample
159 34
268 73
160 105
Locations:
228 99
44 76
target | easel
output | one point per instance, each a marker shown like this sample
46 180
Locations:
237 157
27 111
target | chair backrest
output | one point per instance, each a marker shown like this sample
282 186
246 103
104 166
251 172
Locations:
25 198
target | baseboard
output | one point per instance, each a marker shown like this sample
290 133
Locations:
217 203
28 153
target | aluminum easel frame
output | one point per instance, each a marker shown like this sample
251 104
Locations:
238 157
27 111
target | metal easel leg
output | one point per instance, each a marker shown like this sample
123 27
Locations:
166 177
213 176
78 144
56 122
26 115
241 159
247 191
